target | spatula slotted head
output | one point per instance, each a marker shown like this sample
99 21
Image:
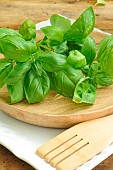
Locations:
78 144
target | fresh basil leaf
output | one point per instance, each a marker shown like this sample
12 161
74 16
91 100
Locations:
8 31
76 59
53 33
31 46
64 81
102 79
5 69
82 27
28 30
106 61
15 48
93 70
73 45
16 91
61 22
36 87
84 92
89 49
17 72
52 61
37 68
105 43
61 48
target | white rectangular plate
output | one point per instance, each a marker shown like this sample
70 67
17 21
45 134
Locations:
23 139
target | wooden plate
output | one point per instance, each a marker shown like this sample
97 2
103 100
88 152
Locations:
57 111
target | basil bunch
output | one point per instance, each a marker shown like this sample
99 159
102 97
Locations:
65 60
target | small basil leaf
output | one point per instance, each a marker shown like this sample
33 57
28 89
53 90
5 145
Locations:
53 33
36 87
37 68
17 72
61 48
5 69
106 62
76 59
102 79
64 81
89 49
15 48
73 45
82 27
16 91
106 42
84 92
28 30
52 61
8 31
60 22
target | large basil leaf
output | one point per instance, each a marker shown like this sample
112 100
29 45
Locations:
106 42
53 33
17 72
8 31
82 27
76 59
61 22
16 91
52 61
64 81
89 49
106 62
28 30
16 48
5 69
84 92
36 87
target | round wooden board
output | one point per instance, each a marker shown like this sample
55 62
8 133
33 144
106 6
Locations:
57 111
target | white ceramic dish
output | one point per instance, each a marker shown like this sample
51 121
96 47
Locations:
23 139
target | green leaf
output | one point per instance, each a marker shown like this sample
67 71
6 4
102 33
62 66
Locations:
17 73
16 48
61 48
82 27
106 62
105 43
37 68
64 81
8 31
61 22
5 69
84 92
36 87
76 59
16 91
89 49
102 79
52 61
28 30
53 33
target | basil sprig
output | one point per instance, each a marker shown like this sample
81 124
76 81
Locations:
66 60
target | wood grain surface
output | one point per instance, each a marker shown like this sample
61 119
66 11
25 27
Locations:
14 12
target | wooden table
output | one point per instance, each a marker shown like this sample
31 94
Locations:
14 12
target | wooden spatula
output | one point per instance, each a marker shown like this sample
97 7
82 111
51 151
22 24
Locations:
78 144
